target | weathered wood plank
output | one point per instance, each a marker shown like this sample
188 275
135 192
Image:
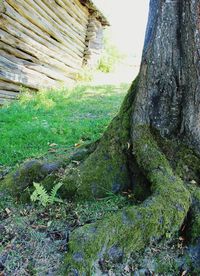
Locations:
82 10
8 86
73 11
10 71
5 101
6 48
95 11
49 71
33 51
42 43
65 16
8 94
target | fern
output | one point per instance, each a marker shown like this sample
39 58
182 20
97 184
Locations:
40 194
53 198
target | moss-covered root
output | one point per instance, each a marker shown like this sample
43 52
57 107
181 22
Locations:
17 183
132 228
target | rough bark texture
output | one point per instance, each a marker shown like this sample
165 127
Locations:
169 76
146 143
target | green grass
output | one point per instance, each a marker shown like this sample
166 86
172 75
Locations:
30 126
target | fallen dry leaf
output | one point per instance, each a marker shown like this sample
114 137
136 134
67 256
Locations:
127 268
77 145
184 273
52 150
8 211
53 145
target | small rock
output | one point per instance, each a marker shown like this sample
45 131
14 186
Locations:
50 167
142 272
115 254
193 182
78 257
127 269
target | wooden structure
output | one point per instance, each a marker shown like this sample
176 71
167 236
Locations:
44 43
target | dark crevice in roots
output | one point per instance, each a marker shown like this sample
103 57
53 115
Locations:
140 186
191 226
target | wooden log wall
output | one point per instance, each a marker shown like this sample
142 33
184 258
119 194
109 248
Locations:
94 42
42 43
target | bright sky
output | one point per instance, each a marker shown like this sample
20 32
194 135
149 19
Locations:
128 19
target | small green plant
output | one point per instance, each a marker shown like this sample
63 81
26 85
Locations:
111 56
40 194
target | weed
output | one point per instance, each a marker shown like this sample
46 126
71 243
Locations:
85 74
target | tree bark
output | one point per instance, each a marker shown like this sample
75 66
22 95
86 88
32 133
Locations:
147 147
169 76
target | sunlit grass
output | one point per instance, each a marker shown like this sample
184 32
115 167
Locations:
30 126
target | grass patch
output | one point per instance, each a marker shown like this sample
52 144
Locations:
54 121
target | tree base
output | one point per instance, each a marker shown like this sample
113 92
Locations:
134 227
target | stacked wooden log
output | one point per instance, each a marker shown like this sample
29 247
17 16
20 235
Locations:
94 42
42 43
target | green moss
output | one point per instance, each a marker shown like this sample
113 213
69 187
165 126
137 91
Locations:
103 171
184 161
188 164
16 182
132 228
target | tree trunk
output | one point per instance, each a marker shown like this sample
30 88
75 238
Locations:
151 147
168 92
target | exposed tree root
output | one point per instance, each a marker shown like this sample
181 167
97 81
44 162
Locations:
132 228
20 182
